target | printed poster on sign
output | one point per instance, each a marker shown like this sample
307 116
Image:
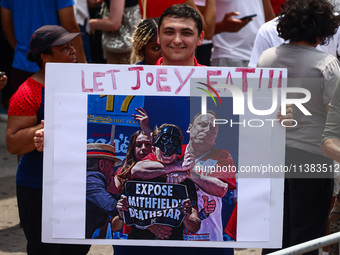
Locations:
154 203
210 123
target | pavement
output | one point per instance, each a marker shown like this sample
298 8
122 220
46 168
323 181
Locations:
12 239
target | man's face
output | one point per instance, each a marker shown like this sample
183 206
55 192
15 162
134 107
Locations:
179 38
164 159
107 169
202 131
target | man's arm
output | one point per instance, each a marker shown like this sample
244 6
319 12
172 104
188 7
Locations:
331 148
97 194
122 205
115 186
148 169
331 135
269 13
116 224
191 220
208 14
68 21
210 185
113 21
8 27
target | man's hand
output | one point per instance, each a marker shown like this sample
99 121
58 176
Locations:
186 207
191 220
176 177
122 205
229 24
287 117
38 138
161 231
208 206
188 161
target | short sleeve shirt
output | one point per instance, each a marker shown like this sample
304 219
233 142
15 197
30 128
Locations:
27 17
28 100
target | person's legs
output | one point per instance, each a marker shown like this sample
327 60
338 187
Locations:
310 200
30 213
286 219
310 203
334 224
306 202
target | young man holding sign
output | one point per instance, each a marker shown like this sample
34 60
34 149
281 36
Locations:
179 34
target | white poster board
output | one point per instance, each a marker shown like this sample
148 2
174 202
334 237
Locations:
261 143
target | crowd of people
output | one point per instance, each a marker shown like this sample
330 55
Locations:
303 38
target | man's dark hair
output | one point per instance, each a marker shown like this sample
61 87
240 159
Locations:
92 164
183 11
307 20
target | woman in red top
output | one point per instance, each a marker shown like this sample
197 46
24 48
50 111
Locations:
26 111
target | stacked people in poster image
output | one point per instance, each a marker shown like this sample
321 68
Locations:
167 142
304 140
166 160
210 187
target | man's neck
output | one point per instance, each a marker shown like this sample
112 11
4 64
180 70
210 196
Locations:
197 151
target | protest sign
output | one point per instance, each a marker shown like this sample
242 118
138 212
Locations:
154 203
248 130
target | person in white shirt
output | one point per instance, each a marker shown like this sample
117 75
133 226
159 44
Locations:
234 49
268 37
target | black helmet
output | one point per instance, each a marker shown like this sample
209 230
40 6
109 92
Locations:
169 141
